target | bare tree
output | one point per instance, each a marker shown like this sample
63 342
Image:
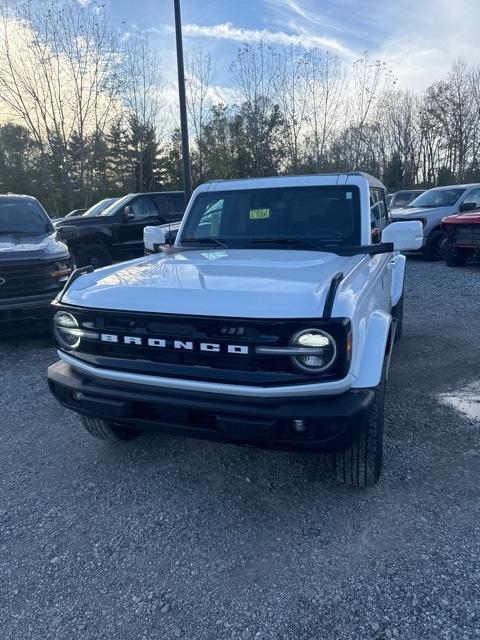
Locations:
369 81
58 77
200 74
254 71
326 100
291 91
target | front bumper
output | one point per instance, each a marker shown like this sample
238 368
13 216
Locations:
14 311
331 423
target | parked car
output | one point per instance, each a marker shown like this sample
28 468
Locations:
401 199
434 205
34 264
117 233
94 210
462 238
270 322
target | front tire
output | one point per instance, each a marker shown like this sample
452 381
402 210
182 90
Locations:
109 431
361 465
96 255
435 247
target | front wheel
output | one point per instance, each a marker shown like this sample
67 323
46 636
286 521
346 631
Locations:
361 465
96 255
110 431
435 247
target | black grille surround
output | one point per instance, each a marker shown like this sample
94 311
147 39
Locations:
28 279
227 368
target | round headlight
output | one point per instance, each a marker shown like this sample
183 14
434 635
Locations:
320 350
66 330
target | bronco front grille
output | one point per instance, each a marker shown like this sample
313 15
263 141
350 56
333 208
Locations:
233 368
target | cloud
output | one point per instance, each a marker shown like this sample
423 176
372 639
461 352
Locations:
227 31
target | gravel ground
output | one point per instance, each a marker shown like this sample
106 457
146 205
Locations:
172 538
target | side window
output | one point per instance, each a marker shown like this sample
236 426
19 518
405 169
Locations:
144 207
473 196
170 207
378 213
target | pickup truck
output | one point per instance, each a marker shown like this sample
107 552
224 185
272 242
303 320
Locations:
432 207
34 264
116 233
269 322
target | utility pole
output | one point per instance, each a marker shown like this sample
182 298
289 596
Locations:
187 171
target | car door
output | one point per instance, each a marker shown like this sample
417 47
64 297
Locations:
130 232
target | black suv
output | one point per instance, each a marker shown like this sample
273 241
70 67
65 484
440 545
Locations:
34 264
117 233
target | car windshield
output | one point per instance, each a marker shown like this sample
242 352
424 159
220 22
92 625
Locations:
23 217
97 208
437 198
308 217
115 206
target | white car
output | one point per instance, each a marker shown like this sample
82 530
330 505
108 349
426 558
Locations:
270 321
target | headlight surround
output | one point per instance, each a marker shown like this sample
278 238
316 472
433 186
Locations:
62 270
66 330
320 351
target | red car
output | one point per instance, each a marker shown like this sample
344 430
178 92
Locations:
462 238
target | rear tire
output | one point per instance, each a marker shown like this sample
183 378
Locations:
96 255
109 431
435 247
361 465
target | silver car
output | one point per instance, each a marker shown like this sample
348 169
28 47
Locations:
432 206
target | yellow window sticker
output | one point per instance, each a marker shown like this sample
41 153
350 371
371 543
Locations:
259 214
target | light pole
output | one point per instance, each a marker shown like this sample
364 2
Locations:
187 172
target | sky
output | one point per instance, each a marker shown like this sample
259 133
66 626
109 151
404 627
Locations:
418 39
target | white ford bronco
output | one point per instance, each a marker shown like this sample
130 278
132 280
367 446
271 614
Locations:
269 322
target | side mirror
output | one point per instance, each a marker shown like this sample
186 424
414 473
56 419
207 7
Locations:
467 206
66 233
405 236
153 239
128 213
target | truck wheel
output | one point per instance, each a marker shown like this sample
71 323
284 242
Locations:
361 465
110 431
455 258
397 313
96 255
435 247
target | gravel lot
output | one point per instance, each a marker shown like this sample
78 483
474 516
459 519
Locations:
171 538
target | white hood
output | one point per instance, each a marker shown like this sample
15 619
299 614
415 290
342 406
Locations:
229 283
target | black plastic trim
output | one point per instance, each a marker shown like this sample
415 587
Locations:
73 276
334 284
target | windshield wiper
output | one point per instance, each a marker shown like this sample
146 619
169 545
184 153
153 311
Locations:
21 232
216 241
287 241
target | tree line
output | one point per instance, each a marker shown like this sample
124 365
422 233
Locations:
86 113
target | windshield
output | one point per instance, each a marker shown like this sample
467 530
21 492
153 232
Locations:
24 217
437 198
307 216
97 208
115 206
